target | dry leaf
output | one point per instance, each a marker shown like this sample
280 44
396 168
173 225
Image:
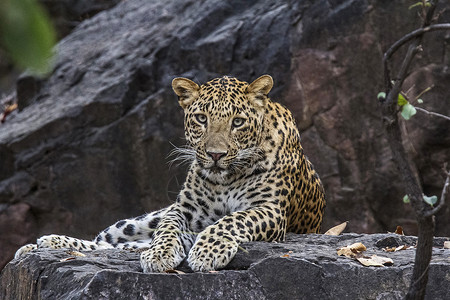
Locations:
75 253
336 230
447 245
399 248
66 259
399 230
287 254
404 247
7 111
172 271
375 261
352 250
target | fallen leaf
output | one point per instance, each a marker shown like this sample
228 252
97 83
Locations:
285 255
9 109
66 259
404 247
447 245
336 230
399 248
172 271
375 261
75 253
352 250
399 230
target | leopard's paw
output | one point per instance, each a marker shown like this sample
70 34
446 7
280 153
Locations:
162 257
211 252
24 250
65 242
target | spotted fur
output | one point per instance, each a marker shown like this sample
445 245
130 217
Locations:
248 180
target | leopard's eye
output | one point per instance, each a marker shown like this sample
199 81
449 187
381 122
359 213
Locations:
238 122
201 118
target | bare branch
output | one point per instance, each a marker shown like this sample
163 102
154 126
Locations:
393 91
423 92
406 38
412 186
432 113
429 213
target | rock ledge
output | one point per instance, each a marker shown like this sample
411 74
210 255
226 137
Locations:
302 267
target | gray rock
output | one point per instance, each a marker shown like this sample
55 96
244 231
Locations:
66 14
90 143
302 267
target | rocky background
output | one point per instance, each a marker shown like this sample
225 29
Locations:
89 145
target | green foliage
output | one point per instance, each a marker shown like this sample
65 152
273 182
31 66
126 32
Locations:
401 100
406 199
430 200
381 95
408 111
420 3
27 34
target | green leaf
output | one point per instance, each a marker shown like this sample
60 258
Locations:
430 200
401 100
415 4
427 4
27 34
419 101
408 111
406 199
381 95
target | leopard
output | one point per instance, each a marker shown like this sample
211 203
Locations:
248 180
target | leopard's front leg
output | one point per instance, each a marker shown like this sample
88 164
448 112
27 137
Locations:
170 243
216 246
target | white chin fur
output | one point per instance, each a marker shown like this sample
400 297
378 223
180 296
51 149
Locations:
214 175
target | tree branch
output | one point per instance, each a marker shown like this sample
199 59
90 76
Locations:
432 113
413 188
429 213
406 38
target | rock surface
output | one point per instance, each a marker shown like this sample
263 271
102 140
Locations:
302 267
90 143
65 15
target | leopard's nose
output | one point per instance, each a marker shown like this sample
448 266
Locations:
216 155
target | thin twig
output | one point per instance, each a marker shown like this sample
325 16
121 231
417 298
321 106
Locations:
432 113
429 213
406 38
423 92
401 76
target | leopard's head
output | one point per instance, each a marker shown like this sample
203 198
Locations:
224 122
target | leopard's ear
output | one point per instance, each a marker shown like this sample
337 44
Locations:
186 89
259 89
